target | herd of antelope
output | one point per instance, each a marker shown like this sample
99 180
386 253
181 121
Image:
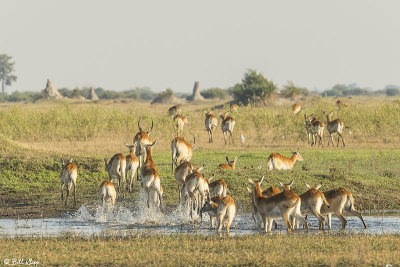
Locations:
202 195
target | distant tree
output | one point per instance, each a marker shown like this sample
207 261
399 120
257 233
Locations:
254 88
163 97
291 90
212 93
6 71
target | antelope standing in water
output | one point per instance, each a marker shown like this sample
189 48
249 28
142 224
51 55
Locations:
181 151
224 208
278 162
227 125
107 193
340 104
69 173
181 172
211 123
218 188
311 202
339 200
296 108
175 110
116 168
132 163
230 165
150 177
314 128
335 126
180 121
142 138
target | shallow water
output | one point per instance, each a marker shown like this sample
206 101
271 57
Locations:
92 220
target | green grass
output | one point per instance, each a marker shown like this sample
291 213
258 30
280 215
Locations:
194 250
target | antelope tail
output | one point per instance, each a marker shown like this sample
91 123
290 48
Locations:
324 200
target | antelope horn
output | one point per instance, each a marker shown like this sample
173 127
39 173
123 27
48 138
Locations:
138 125
152 124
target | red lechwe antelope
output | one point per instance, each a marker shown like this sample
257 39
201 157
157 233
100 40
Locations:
335 126
311 202
223 208
281 205
141 138
69 173
314 128
227 125
175 110
340 104
234 107
180 174
230 165
180 121
211 123
107 193
132 163
196 189
115 168
180 151
150 177
218 188
296 108
278 162
340 200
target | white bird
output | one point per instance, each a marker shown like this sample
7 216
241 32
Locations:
242 139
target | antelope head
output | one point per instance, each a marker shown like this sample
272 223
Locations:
286 187
318 186
297 155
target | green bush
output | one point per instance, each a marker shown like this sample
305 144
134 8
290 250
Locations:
213 93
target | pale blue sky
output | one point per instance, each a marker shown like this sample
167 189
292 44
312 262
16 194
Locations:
169 44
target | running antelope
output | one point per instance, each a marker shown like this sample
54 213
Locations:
181 151
218 188
223 208
296 108
227 125
196 189
211 123
132 163
141 138
175 110
278 162
107 193
230 166
69 173
150 176
181 172
314 128
335 126
116 169
311 202
340 200
180 122
340 104
281 205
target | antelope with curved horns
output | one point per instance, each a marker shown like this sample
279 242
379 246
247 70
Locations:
181 172
340 104
278 162
311 202
175 110
340 200
196 189
116 168
218 188
271 208
224 208
141 138
181 151
296 108
150 176
69 173
315 128
132 164
335 126
211 123
180 121
230 166
227 125
107 193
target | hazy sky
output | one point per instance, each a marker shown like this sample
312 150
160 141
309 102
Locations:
169 44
